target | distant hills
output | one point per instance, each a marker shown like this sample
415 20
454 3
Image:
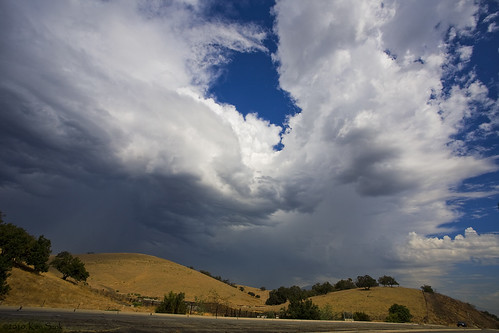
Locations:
131 282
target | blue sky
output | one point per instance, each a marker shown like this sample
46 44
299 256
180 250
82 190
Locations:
271 143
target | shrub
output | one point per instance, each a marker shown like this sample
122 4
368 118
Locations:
361 316
398 314
326 312
173 303
427 289
302 309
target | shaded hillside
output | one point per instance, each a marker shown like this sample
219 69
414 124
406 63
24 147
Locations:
146 275
444 310
49 290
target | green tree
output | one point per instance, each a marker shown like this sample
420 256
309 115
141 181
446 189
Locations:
70 266
173 303
344 284
366 282
302 309
39 254
387 281
398 314
15 243
284 294
427 289
322 289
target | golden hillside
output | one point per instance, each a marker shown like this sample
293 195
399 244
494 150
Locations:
375 302
151 276
49 290
425 307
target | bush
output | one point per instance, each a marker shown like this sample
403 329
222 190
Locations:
361 316
326 312
173 303
398 314
427 289
302 309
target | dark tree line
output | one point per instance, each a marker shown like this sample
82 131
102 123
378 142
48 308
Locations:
283 294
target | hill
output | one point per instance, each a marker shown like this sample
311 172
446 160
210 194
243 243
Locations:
145 275
429 308
117 278
49 290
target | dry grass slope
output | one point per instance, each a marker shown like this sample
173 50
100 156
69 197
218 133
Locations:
444 310
49 290
375 302
146 275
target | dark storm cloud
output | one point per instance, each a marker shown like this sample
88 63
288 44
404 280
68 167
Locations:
108 145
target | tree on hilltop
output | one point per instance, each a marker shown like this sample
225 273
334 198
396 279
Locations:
366 282
387 281
70 266
344 284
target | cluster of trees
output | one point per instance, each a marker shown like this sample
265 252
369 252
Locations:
283 294
19 248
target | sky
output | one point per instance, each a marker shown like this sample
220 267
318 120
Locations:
272 143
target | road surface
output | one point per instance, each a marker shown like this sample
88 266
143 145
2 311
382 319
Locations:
124 322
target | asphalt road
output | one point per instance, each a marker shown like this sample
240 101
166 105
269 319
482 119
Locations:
103 321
